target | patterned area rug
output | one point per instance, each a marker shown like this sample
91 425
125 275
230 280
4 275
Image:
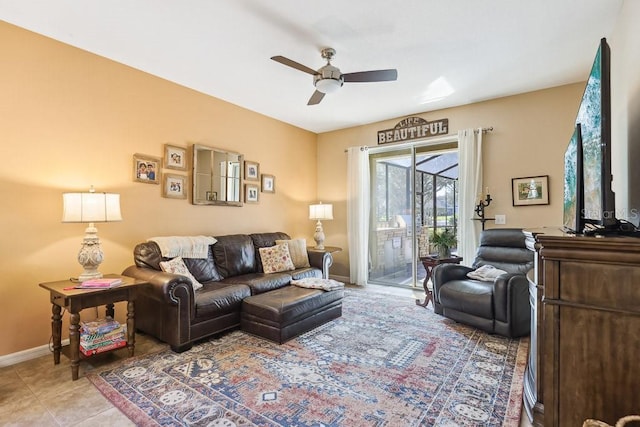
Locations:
385 362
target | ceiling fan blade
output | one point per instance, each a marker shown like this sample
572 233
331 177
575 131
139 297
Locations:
315 98
371 76
293 64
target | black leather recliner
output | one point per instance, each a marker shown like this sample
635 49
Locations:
502 306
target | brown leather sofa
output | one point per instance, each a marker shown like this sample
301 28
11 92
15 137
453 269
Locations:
500 306
170 310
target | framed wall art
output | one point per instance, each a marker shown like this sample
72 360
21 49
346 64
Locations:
146 169
175 186
268 183
530 190
251 193
251 170
175 157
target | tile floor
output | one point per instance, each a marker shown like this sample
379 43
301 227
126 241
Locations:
39 393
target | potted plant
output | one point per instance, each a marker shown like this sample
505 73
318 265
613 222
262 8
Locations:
443 242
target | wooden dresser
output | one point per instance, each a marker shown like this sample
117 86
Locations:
587 361
532 395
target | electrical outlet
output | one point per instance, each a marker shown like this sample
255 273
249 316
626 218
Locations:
501 219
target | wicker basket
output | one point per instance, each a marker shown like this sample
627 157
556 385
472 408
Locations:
620 423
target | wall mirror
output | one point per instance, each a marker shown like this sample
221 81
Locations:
217 177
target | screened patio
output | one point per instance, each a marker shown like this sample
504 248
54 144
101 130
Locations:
394 243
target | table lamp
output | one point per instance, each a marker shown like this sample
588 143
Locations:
90 208
319 212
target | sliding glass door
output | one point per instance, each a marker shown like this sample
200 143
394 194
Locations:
414 193
391 235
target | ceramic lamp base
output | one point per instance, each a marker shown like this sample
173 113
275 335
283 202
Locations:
318 236
90 256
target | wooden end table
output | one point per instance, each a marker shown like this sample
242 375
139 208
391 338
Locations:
429 262
330 249
62 295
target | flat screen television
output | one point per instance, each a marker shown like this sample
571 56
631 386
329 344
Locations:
573 208
594 117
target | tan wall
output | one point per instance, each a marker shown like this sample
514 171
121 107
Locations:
70 119
531 132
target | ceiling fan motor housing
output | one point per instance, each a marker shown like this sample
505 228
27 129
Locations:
329 79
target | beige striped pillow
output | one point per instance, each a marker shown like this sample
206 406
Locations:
298 251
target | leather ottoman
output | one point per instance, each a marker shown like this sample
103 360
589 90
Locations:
285 313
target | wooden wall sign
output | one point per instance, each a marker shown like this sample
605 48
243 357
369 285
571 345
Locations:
413 128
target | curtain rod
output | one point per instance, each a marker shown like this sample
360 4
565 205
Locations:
362 148
428 141
485 130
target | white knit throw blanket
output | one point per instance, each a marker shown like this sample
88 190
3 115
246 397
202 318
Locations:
184 246
486 273
317 283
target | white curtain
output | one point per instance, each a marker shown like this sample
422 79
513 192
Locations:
358 214
470 191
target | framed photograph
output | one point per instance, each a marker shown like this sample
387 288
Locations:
530 190
212 196
146 169
251 193
175 157
175 186
251 170
268 183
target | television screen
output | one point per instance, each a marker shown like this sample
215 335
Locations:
594 116
573 184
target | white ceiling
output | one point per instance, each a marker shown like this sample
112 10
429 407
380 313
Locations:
447 52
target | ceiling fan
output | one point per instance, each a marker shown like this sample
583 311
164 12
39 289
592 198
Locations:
329 79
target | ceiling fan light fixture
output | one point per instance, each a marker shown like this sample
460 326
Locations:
329 79
328 85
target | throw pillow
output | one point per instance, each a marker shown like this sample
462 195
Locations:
298 252
486 273
276 259
177 266
316 283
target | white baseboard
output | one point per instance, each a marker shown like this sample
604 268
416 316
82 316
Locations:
24 355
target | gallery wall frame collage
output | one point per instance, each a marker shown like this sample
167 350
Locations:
150 169
255 182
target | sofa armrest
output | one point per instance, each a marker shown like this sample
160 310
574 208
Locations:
444 273
168 288
321 260
511 302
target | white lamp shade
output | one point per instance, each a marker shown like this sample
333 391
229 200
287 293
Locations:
91 207
321 211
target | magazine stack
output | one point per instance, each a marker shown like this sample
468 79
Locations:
102 335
